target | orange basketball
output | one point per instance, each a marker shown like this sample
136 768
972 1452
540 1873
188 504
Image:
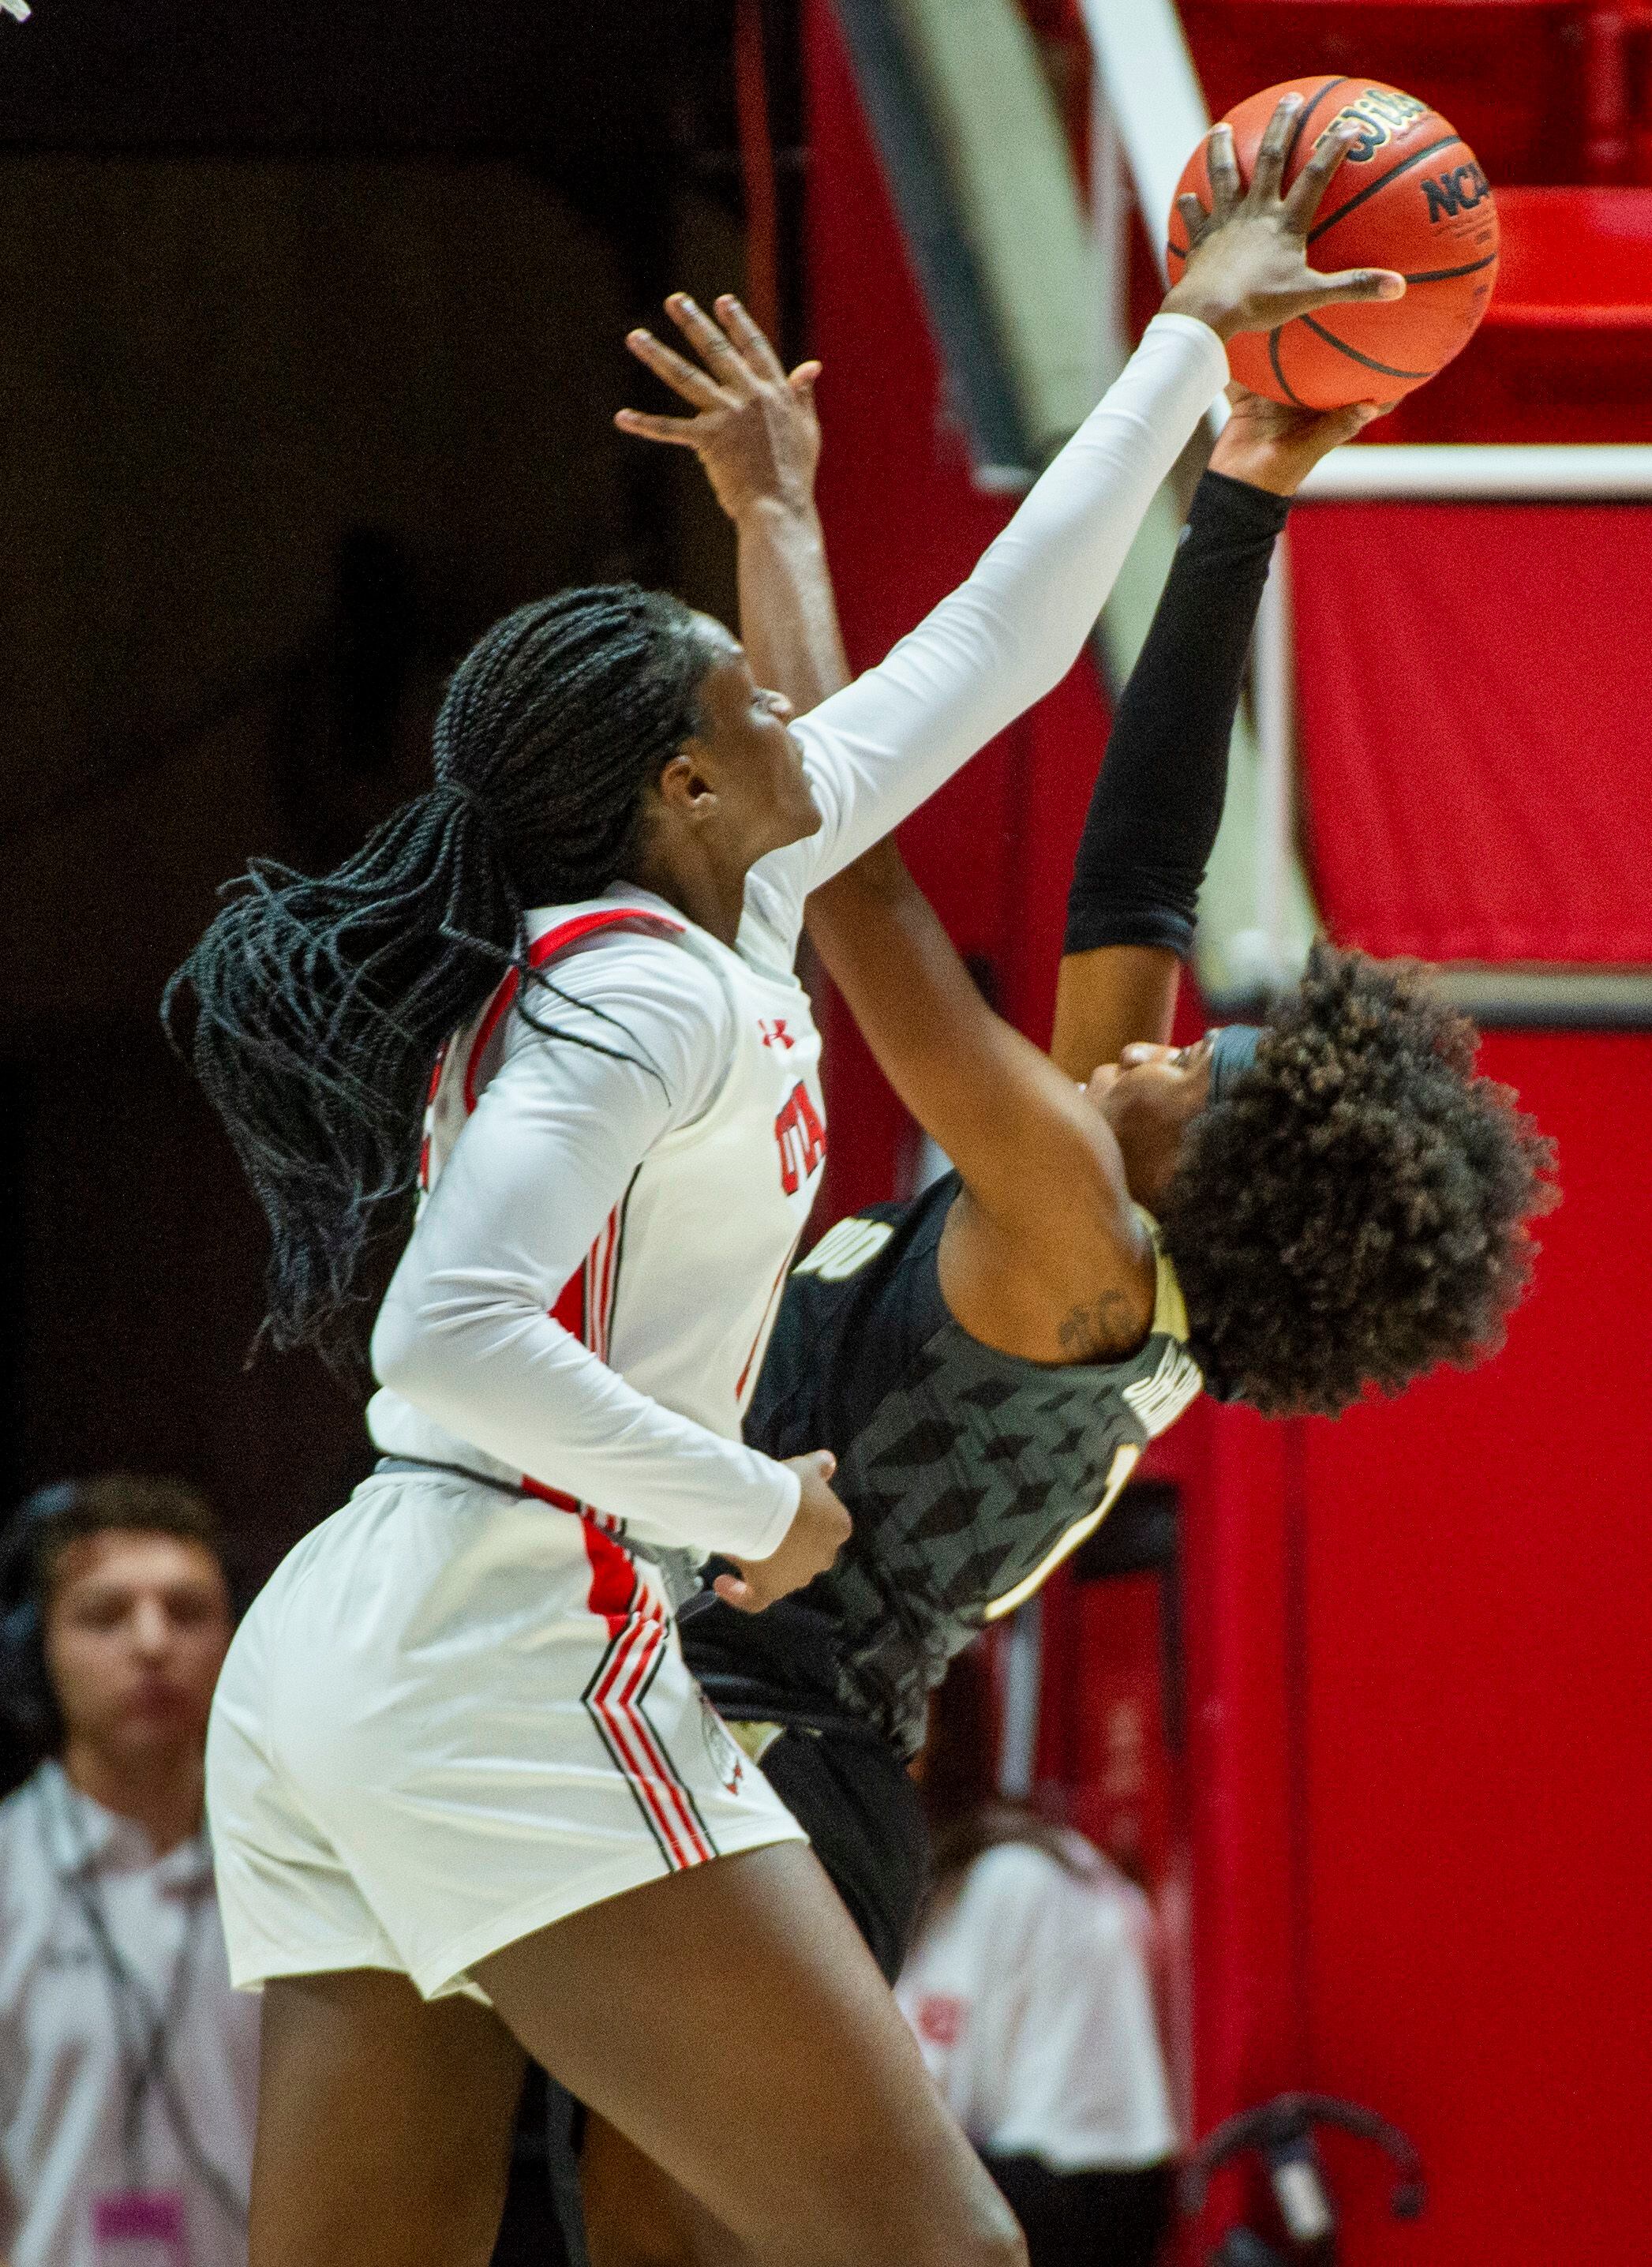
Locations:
1409 195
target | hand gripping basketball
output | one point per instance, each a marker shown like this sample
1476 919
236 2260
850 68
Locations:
818 1533
1411 196
1247 262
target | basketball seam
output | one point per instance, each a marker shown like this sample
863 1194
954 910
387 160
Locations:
1385 369
1445 275
1446 142
1273 355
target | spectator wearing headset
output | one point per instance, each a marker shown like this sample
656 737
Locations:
129 2070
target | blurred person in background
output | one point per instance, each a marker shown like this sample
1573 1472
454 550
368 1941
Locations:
1029 1986
129 2070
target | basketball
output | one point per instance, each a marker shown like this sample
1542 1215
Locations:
1410 195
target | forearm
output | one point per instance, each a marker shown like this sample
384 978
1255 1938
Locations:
1158 804
789 616
481 1359
1011 632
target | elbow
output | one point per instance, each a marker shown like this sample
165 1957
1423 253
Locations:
420 1344
398 1350
437 1342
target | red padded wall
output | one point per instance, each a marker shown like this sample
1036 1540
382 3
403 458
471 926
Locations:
1476 737
1477 1960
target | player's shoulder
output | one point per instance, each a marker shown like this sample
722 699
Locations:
608 932
611 954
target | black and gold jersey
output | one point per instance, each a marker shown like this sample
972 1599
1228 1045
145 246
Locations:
970 1474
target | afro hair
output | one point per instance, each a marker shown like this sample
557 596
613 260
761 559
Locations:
1358 1208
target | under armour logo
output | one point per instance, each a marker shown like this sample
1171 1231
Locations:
775 1034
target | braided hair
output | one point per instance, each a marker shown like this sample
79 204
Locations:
322 1002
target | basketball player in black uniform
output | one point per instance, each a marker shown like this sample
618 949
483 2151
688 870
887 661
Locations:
1287 1215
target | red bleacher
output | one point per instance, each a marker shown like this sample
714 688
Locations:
1554 101
1555 98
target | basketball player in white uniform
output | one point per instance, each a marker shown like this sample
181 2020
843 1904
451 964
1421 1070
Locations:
456 1725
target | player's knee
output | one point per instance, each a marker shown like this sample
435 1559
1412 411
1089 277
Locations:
998 2242
979 2231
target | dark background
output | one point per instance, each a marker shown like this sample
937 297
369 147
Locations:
312 334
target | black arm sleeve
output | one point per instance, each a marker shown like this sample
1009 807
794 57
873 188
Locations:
1157 804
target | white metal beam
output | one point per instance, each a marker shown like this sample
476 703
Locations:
1517 471
1154 93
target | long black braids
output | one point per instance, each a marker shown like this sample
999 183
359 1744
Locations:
321 1002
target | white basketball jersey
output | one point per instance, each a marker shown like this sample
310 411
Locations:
679 1292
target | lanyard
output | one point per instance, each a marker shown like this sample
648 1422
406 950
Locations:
146 2027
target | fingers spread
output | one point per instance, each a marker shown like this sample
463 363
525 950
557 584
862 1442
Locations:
680 432
1270 158
1226 187
681 376
1301 200
750 342
707 340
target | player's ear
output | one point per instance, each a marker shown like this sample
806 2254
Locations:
684 786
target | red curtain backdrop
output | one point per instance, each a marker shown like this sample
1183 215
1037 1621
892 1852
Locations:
1475 730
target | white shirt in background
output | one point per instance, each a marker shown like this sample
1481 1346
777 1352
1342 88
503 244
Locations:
63 2080
1028 1991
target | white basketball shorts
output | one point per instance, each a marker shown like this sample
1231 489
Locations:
450 1718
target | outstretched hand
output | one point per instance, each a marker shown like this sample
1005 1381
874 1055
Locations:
754 428
1273 446
1247 259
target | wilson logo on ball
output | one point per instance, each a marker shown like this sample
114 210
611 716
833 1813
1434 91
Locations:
1379 113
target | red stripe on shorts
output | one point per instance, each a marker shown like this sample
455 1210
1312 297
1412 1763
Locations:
646 1765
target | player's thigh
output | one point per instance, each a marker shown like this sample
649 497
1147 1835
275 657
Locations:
636 2217
729 2022
384 2126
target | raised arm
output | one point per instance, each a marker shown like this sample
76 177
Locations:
881 746
1159 799
758 439
1038 1162
1041 1167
